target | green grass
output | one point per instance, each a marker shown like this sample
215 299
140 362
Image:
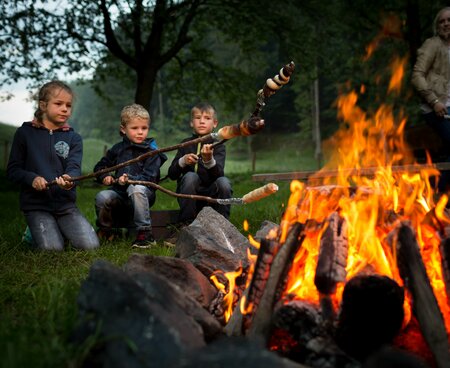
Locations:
38 290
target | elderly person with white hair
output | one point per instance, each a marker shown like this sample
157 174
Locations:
431 79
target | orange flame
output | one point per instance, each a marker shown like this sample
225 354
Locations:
371 204
375 205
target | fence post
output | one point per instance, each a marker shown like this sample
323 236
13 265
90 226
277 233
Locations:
5 154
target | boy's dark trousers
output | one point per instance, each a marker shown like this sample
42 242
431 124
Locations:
190 184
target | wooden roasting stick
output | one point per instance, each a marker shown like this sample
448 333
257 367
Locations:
254 126
254 195
245 128
270 87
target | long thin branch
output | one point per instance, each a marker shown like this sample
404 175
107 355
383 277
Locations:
254 195
245 128
137 159
173 194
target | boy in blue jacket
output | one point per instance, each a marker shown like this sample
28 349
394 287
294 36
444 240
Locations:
127 205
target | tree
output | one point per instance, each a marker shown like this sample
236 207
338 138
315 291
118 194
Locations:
39 40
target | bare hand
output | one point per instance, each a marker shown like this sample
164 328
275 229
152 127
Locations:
207 152
190 158
64 183
440 109
108 180
39 183
123 180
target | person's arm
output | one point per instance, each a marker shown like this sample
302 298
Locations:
425 58
73 161
178 167
151 169
108 160
215 167
16 164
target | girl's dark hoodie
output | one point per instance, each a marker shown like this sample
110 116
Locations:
38 151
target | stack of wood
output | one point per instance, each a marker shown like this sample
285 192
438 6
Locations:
371 312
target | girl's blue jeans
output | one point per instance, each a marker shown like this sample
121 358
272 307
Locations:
50 230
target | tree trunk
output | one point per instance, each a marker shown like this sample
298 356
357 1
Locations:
146 80
414 32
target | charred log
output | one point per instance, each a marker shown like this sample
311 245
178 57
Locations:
371 314
332 255
267 252
331 262
298 334
444 250
280 267
219 305
300 319
425 306
238 323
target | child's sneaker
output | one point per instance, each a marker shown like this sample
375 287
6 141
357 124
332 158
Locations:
144 239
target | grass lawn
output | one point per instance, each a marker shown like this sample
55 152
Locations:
38 290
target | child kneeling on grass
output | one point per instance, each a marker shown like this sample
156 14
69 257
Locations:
199 169
126 205
42 150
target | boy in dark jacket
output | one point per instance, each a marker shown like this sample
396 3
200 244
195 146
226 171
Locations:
199 169
126 205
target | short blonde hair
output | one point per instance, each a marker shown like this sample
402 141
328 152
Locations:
204 107
131 112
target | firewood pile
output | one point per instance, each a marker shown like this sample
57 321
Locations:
167 311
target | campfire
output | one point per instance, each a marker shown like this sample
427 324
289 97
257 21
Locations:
358 263
368 226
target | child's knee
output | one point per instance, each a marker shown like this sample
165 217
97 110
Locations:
223 185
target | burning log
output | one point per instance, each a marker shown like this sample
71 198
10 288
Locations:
298 334
239 323
425 306
267 251
220 304
331 262
260 326
444 250
371 314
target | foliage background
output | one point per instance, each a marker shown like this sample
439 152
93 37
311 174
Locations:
228 49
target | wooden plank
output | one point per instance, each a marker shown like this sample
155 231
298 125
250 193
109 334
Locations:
364 171
162 221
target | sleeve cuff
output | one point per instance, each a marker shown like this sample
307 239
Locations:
211 163
181 162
